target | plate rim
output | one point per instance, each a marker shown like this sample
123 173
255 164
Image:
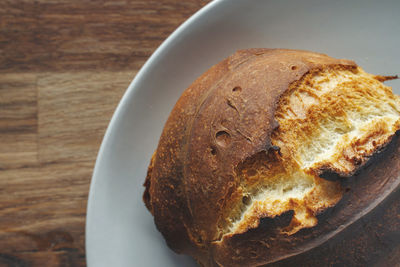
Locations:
126 97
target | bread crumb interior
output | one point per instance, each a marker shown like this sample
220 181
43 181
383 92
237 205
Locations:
332 120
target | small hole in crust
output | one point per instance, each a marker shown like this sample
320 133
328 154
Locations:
246 200
213 151
293 67
236 89
223 138
199 240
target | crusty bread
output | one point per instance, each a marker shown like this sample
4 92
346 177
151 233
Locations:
251 140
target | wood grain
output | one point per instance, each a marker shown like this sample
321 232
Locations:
43 210
64 65
59 35
18 120
70 127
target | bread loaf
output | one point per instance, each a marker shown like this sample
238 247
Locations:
269 154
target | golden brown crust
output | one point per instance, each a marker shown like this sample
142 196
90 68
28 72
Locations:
225 117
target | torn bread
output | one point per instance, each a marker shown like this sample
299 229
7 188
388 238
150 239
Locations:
251 140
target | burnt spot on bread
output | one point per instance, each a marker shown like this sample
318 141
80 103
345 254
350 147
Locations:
330 176
276 224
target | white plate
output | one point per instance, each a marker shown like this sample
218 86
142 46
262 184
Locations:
119 229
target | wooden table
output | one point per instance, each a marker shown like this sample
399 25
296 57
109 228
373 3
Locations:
64 65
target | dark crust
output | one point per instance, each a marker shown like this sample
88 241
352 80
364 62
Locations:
224 117
146 194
